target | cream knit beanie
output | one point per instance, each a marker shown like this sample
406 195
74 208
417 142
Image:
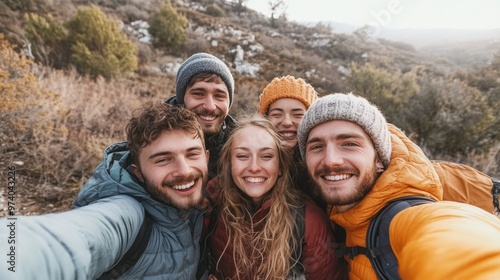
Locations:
286 87
339 106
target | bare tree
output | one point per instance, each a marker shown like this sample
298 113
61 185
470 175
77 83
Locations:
276 7
239 5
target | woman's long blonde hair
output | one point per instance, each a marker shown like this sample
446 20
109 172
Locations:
269 244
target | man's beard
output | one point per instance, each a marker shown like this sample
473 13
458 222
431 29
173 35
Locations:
363 187
210 130
188 202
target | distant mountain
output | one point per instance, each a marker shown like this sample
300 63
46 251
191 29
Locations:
420 37
338 27
428 37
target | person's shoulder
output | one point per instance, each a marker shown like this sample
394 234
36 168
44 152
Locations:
230 121
127 203
172 101
314 213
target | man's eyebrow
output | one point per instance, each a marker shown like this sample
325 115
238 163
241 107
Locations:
195 148
313 140
169 153
197 89
341 136
159 154
348 136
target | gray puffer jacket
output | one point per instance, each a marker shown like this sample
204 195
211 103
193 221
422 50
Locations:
85 242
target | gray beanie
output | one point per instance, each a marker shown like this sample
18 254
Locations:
202 63
339 106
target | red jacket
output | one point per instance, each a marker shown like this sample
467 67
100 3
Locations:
318 255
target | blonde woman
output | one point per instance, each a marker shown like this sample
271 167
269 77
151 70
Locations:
255 233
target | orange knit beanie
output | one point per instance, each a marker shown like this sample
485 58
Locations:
286 87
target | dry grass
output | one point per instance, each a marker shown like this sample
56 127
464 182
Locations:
76 119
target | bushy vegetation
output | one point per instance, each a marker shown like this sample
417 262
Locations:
55 125
389 91
98 47
447 118
19 91
90 41
48 39
167 26
214 10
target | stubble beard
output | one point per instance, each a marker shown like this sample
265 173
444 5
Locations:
185 203
363 187
209 130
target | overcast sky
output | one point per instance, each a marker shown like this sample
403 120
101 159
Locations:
419 14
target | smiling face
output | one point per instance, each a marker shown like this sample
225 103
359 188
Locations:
254 162
342 161
173 168
209 100
286 115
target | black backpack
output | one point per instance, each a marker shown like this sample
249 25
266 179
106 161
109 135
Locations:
378 248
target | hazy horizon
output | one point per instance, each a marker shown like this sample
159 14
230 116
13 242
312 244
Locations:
394 14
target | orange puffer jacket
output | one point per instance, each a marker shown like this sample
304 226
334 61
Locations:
443 240
465 184
462 183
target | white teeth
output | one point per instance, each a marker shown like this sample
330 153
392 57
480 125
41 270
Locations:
254 180
288 134
337 177
208 118
183 187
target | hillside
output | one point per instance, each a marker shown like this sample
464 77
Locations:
74 117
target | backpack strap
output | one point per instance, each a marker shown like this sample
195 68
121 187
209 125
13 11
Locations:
134 252
206 262
379 249
298 233
495 192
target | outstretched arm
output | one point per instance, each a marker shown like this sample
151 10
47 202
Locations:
446 240
78 244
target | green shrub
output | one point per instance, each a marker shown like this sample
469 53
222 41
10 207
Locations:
47 37
98 47
167 28
458 118
214 10
391 92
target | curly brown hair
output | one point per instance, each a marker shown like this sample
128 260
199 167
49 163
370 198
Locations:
154 118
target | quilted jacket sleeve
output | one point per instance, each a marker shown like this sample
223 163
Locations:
446 240
78 244
319 253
